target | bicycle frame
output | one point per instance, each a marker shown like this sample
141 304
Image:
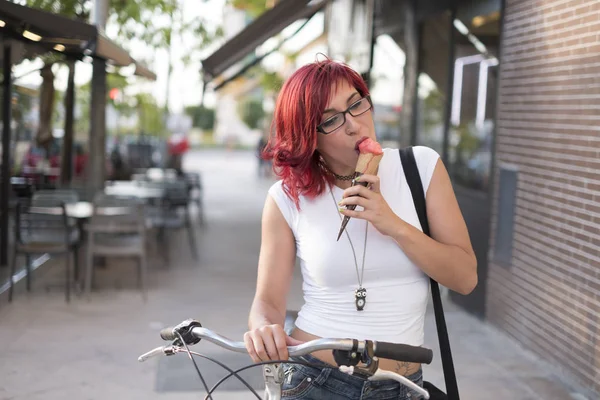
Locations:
273 375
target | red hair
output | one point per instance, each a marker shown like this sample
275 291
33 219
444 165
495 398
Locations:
298 111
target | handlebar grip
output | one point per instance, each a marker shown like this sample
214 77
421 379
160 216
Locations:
404 352
168 333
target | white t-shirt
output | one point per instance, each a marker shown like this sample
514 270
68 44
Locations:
397 290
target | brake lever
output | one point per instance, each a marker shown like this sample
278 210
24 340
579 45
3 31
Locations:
164 350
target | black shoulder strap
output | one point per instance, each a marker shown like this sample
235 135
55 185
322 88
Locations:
413 178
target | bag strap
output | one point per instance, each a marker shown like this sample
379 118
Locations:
411 171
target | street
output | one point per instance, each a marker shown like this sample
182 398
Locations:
89 350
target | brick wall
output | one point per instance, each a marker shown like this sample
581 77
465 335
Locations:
548 126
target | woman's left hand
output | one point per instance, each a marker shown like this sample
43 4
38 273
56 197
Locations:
375 209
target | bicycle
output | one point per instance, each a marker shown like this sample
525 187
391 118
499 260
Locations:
348 353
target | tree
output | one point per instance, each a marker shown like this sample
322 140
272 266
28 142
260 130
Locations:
202 117
137 19
271 81
163 36
77 9
253 7
142 104
22 104
434 108
149 116
82 123
123 104
47 98
251 112
134 19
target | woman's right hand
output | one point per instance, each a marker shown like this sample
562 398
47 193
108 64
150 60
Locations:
268 342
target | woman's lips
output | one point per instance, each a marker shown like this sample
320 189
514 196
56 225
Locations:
358 142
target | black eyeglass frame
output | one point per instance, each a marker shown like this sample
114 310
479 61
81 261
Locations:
343 113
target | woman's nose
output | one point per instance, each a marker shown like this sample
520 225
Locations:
351 124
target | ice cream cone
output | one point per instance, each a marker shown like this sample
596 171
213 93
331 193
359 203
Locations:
368 162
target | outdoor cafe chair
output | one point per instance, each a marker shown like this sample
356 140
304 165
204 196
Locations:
44 228
117 229
172 213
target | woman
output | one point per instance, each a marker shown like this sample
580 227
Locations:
322 111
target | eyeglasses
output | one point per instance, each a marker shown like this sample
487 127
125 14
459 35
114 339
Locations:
337 120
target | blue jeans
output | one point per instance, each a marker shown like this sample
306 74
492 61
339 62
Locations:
308 383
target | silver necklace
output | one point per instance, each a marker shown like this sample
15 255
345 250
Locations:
360 294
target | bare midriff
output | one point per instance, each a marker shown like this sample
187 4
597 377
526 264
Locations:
402 368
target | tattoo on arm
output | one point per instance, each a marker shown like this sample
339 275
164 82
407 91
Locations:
402 368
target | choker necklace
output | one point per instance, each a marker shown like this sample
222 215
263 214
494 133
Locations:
360 294
338 177
344 177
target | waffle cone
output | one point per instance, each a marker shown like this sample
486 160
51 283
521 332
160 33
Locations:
368 163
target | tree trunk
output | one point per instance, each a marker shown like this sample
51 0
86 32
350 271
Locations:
66 164
44 134
97 136
169 71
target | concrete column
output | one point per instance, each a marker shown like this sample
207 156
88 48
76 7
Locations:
100 14
6 133
411 75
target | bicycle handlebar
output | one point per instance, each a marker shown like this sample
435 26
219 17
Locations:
403 352
168 333
394 351
190 332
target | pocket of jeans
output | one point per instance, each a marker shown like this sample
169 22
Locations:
295 383
417 378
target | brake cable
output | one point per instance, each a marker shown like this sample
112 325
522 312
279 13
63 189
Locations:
231 373
235 373
187 350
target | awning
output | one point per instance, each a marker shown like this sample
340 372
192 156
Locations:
61 34
271 22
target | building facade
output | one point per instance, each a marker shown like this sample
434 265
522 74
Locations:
508 93
543 283
520 98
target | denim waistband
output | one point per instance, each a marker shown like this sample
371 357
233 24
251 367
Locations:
325 371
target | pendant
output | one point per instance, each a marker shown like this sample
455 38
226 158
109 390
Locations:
360 298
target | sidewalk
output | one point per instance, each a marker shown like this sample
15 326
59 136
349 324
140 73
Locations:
89 350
